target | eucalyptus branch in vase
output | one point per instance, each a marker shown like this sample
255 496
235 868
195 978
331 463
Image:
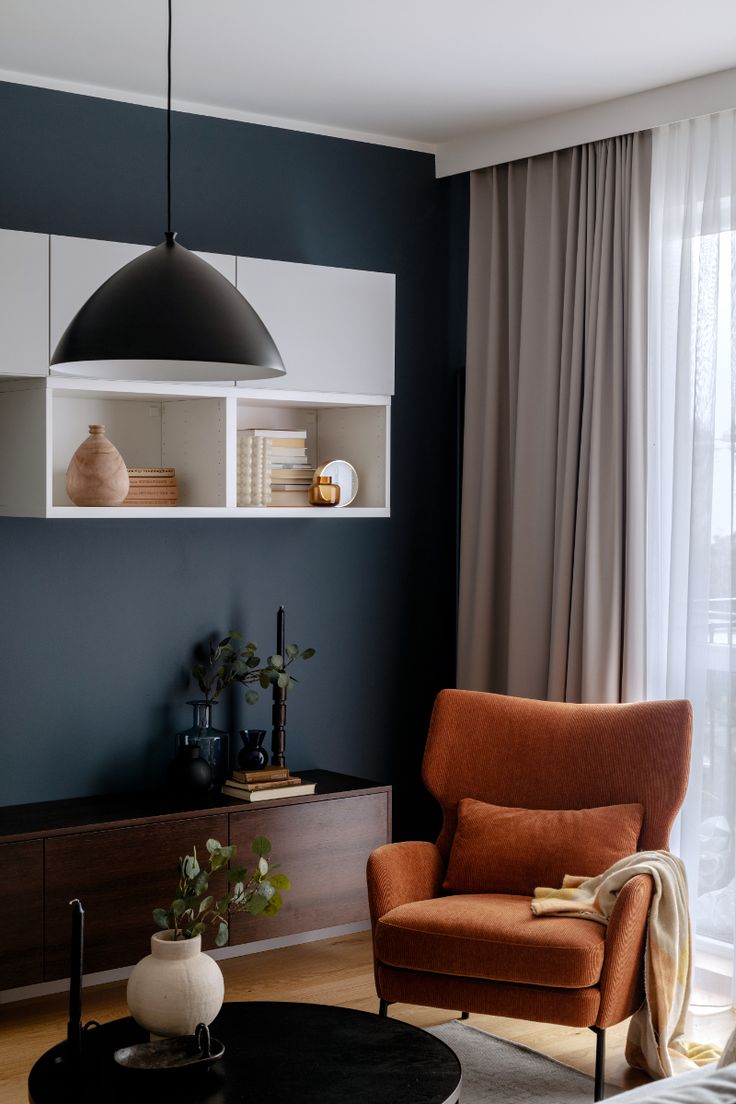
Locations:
194 908
231 663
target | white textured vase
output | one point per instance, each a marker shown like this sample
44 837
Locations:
176 987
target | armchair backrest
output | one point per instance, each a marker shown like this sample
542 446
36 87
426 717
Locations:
554 755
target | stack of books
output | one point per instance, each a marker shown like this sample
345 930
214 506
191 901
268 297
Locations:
152 487
291 472
266 784
273 467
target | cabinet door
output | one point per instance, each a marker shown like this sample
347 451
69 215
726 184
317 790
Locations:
334 327
80 265
120 876
21 945
24 294
323 847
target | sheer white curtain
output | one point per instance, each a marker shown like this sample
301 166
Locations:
691 580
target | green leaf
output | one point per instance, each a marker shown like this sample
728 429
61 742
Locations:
199 885
264 680
189 865
256 905
273 905
198 929
224 642
178 906
276 661
252 662
251 697
292 650
222 934
308 653
283 680
212 845
261 846
280 881
161 918
205 903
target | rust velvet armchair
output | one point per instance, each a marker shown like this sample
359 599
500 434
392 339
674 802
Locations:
436 943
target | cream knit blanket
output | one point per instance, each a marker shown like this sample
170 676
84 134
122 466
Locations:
655 1042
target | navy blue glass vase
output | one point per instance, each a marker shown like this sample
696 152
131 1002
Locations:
252 755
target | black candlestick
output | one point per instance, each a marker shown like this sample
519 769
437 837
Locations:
278 712
74 1027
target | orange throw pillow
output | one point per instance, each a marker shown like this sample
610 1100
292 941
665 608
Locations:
499 850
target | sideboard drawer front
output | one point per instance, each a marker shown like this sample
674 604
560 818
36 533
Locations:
120 876
21 946
323 847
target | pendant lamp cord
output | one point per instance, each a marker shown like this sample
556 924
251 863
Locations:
168 130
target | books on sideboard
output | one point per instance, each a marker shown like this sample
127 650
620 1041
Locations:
265 789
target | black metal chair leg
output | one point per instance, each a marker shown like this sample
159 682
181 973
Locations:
382 1007
600 1062
464 1015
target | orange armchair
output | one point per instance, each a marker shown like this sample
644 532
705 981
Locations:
484 952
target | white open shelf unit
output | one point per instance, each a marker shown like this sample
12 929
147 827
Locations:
335 329
189 427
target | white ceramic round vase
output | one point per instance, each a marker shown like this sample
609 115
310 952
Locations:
176 987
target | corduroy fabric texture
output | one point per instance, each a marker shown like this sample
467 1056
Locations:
501 850
556 755
491 936
622 977
403 872
572 1007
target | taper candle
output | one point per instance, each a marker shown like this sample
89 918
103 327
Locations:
278 711
74 1027
280 632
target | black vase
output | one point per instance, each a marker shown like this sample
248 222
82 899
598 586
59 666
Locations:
188 772
252 756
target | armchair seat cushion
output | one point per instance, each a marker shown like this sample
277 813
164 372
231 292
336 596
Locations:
492 936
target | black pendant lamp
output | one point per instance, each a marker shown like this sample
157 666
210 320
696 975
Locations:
167 315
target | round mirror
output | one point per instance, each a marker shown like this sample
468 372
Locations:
344 475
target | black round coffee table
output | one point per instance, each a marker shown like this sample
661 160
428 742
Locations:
275 1052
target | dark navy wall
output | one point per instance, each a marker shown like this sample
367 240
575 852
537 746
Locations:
98 619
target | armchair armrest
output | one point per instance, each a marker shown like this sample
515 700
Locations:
402 872
622 977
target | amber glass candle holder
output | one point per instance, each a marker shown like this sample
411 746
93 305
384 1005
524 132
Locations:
324 492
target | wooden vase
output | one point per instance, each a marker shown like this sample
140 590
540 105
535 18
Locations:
97 475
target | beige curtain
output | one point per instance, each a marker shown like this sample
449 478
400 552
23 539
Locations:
552 560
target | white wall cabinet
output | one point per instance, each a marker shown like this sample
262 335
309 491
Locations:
193 429
24 303
334 328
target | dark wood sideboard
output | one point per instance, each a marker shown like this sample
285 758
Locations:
118 854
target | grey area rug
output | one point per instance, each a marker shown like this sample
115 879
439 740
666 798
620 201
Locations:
497 1071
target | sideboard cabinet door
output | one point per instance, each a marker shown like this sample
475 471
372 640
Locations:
323 847
120 876
24 294
21 875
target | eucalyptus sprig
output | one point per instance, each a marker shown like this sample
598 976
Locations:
194 908
231 662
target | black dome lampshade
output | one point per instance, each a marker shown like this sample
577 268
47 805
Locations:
167 315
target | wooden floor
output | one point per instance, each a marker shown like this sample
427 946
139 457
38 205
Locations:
334 971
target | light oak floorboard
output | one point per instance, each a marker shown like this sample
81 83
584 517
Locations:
332 971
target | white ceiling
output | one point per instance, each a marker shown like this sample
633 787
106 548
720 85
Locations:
410 72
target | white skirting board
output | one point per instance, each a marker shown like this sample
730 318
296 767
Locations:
45 988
